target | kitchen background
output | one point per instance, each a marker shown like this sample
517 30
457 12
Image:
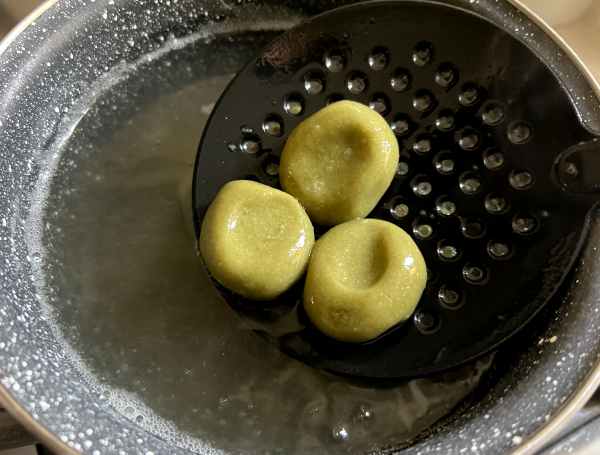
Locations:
12 11
578 23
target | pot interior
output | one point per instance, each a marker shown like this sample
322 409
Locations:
136 310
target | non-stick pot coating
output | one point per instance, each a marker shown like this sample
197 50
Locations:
51 65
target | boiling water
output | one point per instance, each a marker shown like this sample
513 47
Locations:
136 310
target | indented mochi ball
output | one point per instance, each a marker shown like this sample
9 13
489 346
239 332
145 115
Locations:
339 162
256 240
364 277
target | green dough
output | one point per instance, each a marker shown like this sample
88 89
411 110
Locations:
339 162
256 240
364 277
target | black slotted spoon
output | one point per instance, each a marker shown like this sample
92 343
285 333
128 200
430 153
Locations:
491 182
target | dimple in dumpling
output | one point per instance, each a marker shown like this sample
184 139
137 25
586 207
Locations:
339 162
364 277
256 240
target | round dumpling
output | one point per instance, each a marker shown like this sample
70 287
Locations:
364 277
256 240
339 162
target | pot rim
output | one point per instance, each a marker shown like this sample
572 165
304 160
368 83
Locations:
533 443
7 401
584 393
558 39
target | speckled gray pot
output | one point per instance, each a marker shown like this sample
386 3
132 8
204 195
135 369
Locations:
538 381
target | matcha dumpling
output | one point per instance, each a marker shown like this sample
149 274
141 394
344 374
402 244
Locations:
256 240
339 162
364 277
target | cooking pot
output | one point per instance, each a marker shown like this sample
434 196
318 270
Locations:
112 339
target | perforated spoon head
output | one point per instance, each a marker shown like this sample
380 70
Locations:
481 122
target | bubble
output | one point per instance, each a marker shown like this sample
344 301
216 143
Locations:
272 169
571 169
335 61
293 105
422 187
273 126
449 298
364 413
423 101
474 274
422 145
445 121
524 224
499 250
378 59
313 84
519 133
399 211
445 207
472 228
495 204
469 183
422 53
445 166
356 83
446 75
402 169
340 433
447 251
493 114
251 146
401 125
422 231
469 95
520 180
444 163
425 322
468 139
493 159
400 81
380 104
